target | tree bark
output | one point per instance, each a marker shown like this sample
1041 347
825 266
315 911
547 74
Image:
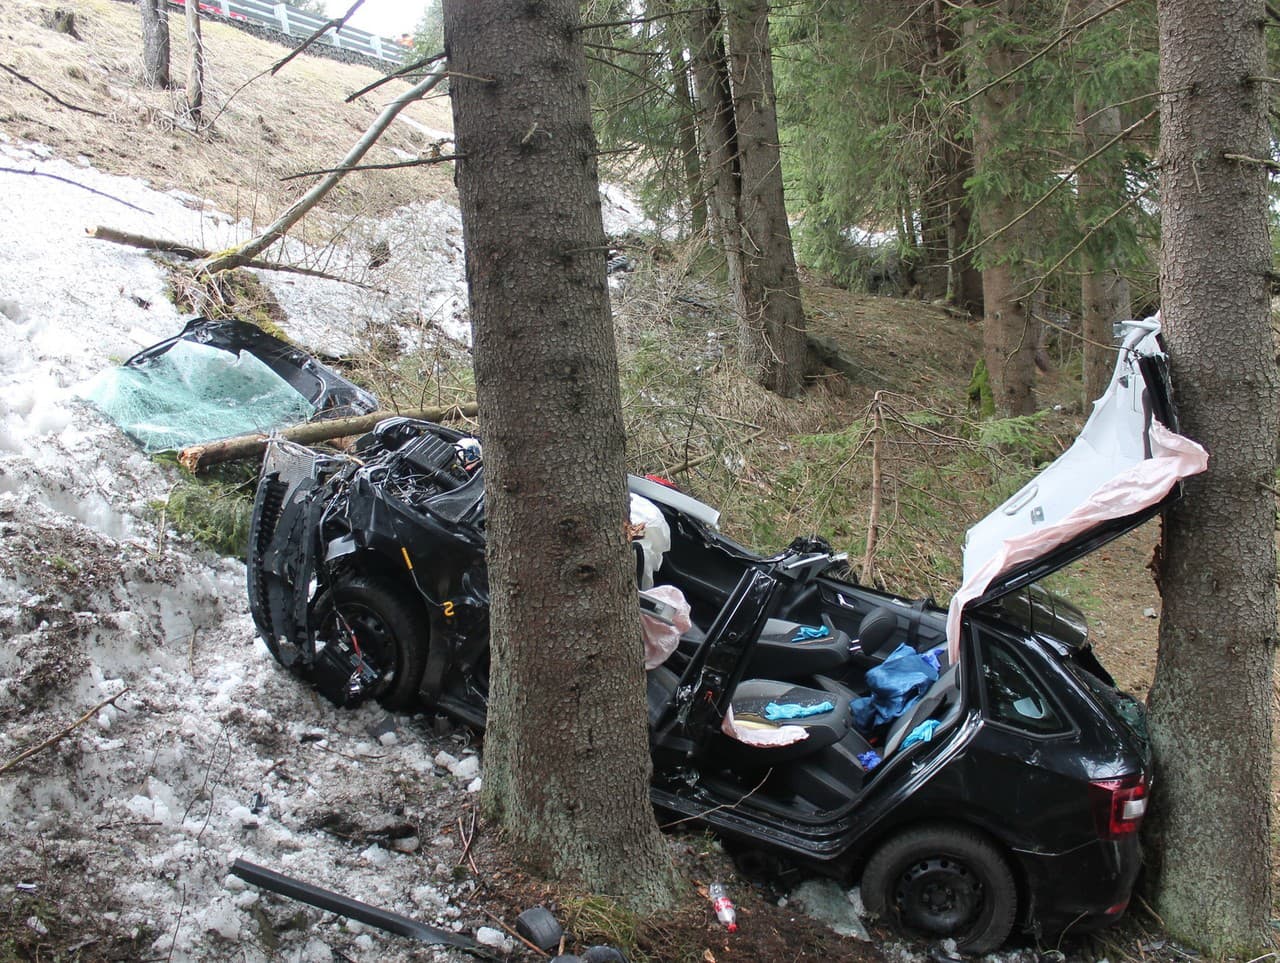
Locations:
771 323
195 69
710 70
567 765
155 42
1008 340
1104 291
1211 701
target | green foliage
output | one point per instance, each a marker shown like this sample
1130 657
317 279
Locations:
875 101
980 395
428 35
213 509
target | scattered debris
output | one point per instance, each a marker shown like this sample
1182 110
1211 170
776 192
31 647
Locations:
325 899
539 927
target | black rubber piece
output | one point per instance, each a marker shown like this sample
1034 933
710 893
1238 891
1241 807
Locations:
354 909
540 928
603 954
943 881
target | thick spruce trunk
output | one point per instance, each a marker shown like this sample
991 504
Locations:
1211 702
566 768
155 42
719 135
771 324
1009 339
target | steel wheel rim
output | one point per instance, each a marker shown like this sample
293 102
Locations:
939 895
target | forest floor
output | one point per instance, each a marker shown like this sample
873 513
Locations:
115 841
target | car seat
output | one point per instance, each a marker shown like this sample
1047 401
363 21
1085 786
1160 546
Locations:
941 701
791 650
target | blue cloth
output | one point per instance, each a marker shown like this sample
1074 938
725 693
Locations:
921 733
869 759
896 685
793 710
806 633
934 658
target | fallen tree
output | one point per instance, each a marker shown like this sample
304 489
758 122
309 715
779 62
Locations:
196 458
193 253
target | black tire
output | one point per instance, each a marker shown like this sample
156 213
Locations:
935 882
392 630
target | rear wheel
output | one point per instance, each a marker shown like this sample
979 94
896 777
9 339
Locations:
389 629
939 881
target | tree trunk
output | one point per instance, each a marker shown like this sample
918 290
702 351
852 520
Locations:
1104 291
155 42
688 135
719 133
1008 341
1212 696
195 70
771 324
567 765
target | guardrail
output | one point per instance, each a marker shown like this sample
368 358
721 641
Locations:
298 23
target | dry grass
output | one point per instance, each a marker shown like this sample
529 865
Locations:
275 126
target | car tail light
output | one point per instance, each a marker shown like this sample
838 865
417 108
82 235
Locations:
1118 805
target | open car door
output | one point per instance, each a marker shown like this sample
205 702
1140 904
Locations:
1126 464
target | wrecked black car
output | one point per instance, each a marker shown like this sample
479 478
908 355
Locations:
975 768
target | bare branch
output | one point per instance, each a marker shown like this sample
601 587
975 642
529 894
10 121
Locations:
59 736
83 187
278 228
638 20
336 24
1259 161
376 167
192 253
49 93
408 69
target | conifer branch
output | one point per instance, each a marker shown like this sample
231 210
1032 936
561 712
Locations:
1085 240
1061 183
1055 42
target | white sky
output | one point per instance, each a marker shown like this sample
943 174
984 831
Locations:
389 18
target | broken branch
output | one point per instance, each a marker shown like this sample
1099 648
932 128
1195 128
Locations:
83 187
50 94
252 248
410 68
375 167
59 736
191 253
196 458
337 24
1260 161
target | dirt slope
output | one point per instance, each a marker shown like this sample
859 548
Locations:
273 127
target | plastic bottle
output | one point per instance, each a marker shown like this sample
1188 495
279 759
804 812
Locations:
723 906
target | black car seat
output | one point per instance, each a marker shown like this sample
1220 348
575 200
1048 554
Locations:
878 634
941 701
783 651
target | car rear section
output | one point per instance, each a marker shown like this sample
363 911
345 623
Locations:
1066 774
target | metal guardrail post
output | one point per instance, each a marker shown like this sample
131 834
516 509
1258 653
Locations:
225 7
282 15
376 43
